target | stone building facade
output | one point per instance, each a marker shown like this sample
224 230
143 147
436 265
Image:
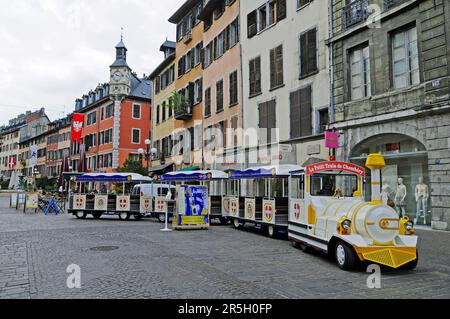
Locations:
391 66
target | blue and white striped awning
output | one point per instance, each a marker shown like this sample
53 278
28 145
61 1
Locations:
113 178
265 172
193 176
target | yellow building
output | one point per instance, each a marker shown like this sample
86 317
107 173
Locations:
163 120
188 145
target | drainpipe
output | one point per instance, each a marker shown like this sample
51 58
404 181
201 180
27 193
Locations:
331 58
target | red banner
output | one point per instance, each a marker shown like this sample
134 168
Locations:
77 127
335 166
12 162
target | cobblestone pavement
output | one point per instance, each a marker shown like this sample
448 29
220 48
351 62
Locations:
35 252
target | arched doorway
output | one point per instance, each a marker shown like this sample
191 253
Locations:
406 159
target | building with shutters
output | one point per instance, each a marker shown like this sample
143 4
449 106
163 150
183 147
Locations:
117 118
58 145
188 145
222 84
391 95
285 65
163 119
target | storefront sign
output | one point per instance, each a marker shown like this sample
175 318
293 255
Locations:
331 139
335 166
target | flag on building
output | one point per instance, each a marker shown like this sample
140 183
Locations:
77 127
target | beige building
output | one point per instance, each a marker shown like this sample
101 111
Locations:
163 120
222 85
9 148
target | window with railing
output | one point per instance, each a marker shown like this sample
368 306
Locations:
388 4
354 13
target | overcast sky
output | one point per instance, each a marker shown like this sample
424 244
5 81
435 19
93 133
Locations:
54 51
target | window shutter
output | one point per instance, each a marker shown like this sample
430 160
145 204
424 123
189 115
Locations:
312 51
227 38
200 88
252 76
281 9
295 114
306 111
279 61
271 119
191 88
192 58
202 57
303 54
272 69
258 75
251 24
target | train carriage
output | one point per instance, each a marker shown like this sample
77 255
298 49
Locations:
328 213
97 204
260 197
213 179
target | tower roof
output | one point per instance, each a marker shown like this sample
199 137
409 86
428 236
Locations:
121 45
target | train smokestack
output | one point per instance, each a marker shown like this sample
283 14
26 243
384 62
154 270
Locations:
376 162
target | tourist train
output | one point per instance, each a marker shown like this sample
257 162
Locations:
319 207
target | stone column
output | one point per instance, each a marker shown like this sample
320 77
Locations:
116 131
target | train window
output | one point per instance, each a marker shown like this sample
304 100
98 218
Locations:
298 187
251 188
329 185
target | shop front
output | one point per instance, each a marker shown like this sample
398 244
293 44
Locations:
405 179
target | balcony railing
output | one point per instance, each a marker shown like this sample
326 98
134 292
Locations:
355 13
388 4
182 108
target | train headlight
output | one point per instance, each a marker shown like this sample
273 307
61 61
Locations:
345 226
406 227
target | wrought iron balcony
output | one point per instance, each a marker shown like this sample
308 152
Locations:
355 13
389 4
182 108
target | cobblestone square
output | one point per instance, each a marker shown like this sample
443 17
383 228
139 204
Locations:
35 252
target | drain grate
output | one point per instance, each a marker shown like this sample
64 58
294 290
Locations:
104 248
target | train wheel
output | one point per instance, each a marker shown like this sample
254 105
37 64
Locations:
97 215
411 265
80 215
162 218
124 216
272 231
237 224
345 256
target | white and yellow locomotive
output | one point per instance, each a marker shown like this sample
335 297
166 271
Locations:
327 212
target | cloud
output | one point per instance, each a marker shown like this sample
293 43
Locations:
54 51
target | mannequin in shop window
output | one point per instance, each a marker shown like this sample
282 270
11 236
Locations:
422 196
400 198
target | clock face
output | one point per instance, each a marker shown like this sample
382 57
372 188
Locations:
117 76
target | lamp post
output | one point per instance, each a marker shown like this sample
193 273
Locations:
35 174
147 153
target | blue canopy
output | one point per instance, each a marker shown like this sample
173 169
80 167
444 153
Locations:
265 172
193 176
112 178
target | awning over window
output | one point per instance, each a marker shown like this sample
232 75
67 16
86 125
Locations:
160 168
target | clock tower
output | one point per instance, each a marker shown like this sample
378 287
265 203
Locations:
120 81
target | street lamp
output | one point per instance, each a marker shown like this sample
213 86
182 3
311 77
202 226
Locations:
35 174
148 153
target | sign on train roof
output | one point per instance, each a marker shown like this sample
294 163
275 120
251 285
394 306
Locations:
335 166
265 172
193 176
113 178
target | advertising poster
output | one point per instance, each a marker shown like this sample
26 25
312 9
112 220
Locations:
192 207
32 201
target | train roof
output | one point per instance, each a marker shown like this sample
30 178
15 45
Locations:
113 178
266 171
193 176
